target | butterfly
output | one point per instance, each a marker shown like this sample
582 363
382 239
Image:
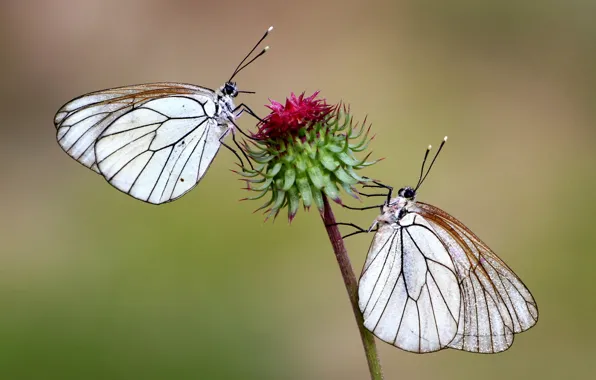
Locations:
430 283
153 141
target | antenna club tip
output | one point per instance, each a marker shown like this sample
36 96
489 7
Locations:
429 147
270 29
445 138
266 48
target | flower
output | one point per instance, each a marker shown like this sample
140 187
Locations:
289 119
304 150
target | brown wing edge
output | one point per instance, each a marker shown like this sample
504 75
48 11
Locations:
456 229
136 93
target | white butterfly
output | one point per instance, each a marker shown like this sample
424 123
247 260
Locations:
152 141
430 283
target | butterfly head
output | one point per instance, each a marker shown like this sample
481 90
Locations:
229 89
407 193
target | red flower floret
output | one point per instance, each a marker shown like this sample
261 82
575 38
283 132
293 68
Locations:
297 113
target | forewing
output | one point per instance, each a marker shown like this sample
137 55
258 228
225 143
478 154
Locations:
153 142
496 303
81 121
408 291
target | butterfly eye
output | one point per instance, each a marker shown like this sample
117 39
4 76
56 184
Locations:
409 193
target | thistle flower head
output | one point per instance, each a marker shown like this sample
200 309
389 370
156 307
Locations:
305 150
288 119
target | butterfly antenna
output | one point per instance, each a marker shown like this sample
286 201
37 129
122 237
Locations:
423 163
240 65
251 61
432 162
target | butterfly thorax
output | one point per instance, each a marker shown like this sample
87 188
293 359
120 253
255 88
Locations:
398 207
225 99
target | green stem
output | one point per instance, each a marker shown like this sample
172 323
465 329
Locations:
347 273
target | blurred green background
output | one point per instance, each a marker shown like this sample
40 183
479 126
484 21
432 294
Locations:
95 285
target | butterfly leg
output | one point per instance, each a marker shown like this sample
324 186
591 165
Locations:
363 208
370 195
380 185
237 144
234 151
242 150
376 185
243 107
359 229
357 233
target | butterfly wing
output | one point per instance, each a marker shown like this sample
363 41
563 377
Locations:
152 141
496 303
408 291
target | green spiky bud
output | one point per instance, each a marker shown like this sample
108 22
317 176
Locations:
305 150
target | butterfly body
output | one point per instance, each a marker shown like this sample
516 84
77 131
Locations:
225 101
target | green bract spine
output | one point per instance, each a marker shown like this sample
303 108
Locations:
320 159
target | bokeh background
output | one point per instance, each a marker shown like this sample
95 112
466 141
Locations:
95 285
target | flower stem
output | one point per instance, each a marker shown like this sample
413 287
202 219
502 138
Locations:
341 254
